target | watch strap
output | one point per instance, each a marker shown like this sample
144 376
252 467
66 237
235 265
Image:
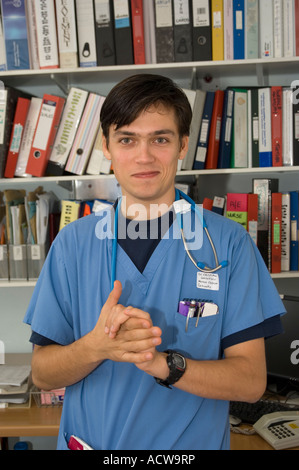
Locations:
175 371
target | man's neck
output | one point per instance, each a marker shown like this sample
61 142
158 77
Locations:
141 211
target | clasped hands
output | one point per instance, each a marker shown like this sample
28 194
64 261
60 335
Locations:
127 334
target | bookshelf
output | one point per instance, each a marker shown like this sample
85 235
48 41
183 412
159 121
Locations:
259 72
205 75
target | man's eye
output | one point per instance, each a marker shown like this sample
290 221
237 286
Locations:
161 140
125 140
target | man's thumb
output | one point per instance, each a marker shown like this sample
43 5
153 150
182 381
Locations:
115 294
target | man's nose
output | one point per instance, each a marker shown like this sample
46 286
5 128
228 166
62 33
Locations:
144 153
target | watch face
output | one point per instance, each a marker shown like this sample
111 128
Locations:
179 361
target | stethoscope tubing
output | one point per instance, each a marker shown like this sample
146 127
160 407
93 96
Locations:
200 266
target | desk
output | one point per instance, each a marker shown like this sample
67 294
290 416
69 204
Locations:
33 421
44 421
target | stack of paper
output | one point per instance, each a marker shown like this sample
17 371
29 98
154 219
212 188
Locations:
14 383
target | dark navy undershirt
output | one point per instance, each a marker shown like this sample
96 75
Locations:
140 250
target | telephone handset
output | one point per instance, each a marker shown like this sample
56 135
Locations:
280 429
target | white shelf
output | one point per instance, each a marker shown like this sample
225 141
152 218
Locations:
233 65
189 73
220 171
17 283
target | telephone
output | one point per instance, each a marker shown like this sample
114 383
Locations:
279 429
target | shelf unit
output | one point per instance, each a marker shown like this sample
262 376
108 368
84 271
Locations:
204 75
213 74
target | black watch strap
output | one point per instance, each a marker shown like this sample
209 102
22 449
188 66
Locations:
177 366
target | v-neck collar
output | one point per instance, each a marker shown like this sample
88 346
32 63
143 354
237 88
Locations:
144 279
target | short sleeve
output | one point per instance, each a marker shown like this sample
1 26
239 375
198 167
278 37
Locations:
50 308
252 296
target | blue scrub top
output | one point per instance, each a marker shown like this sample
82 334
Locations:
118 406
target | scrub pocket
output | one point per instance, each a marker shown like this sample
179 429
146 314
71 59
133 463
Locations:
201 342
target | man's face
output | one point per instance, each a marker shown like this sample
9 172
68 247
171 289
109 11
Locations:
144 156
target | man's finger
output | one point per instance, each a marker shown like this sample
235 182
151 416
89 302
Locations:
114 295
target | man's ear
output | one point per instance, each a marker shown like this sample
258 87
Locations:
184 147
105 148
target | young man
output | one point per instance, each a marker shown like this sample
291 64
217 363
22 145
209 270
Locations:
106 314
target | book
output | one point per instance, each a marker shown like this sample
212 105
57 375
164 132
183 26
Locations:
182 32
32 34
237 208
104 32
295 106
86 33
276 121
204 132
218 205
66 33
85 135
98 163
288 28
207 203
225 143
15 34
27 137
278 28
239 157
69 212
214 136
191 95
72 113
164 31
239 29
8 101
264 188
149 32
252 215
138 31
228 41
287 127
276 232
45 133
217 29
123 32
266 36
265 134
254 127
2 47
294 230
197 112
251 29
296 47
249 129
19 120
46 34
285 231
201 30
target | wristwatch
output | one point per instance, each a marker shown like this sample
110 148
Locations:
177 366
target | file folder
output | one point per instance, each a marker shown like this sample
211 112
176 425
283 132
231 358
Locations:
18 262
4 273
36 255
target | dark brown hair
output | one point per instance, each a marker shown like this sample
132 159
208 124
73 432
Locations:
133 95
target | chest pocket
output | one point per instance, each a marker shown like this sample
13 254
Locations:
200 342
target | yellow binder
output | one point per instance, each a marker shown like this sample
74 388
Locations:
217 30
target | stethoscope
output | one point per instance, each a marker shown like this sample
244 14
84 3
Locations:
199 265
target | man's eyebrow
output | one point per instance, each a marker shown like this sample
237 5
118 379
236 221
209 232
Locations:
157 132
